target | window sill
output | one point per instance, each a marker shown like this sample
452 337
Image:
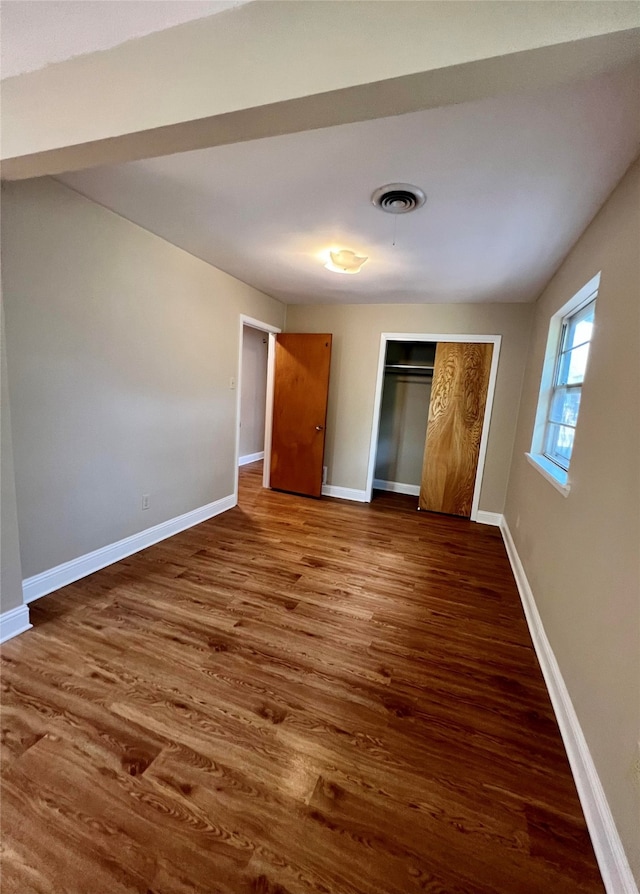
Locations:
555 476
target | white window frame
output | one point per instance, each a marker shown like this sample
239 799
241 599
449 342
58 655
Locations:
550 470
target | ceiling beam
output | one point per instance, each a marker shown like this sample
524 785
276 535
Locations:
270 68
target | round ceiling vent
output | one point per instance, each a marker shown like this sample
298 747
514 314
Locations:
398 198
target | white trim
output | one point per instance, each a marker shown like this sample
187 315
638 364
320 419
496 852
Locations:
268 411
48 581
489 518
550 472
250 458
614 866
271 359
466 338
344 493
13 622
258 324
396 487
581 298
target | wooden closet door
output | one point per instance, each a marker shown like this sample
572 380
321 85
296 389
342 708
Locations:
456 415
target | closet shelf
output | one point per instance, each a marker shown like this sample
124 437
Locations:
409 368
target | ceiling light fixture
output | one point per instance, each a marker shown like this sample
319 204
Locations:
345 261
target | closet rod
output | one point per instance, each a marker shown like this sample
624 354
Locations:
408 368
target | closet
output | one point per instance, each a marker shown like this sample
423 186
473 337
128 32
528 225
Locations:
432 412
406 392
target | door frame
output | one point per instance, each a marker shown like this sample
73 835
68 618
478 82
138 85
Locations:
467 338
271 331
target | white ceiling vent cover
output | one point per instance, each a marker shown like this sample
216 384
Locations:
398 198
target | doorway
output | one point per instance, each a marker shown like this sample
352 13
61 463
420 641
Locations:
404 409
253 395
405 365
251 355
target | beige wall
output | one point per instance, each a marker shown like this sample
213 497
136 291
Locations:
254 391
120 349
581 553
10 568
354 363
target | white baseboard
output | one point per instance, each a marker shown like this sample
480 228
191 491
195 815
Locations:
396 487
413 490
613 863
250 458
344 493
13 622
489 518
48 581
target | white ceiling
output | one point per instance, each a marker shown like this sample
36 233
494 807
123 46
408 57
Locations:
511 183
36 33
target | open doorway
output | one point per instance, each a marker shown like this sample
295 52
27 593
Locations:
255 395
404 409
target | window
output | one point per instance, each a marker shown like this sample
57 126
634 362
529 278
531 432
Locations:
566 358
571 365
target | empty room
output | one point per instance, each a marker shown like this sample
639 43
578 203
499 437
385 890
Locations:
320 447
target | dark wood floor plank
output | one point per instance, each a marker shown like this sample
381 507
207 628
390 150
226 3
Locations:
296 697
114 820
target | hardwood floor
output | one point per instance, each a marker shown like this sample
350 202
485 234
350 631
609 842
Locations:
296 696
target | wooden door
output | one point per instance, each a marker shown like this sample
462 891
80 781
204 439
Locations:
301 387
456 416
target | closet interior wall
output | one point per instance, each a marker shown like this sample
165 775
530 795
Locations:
403 416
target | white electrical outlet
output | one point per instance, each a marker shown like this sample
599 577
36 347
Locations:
518 521
324 474
232 383
145 501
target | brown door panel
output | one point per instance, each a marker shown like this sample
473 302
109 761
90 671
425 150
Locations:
301 387
454 429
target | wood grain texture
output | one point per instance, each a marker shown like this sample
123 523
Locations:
296 696
301 388
454 429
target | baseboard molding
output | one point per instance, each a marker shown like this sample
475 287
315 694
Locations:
396 487
250 458
13 622
48 581
489 518
344 493
612 860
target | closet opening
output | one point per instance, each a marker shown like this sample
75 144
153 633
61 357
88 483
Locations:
432 411
404 410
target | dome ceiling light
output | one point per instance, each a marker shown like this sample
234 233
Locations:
345 261
398 198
